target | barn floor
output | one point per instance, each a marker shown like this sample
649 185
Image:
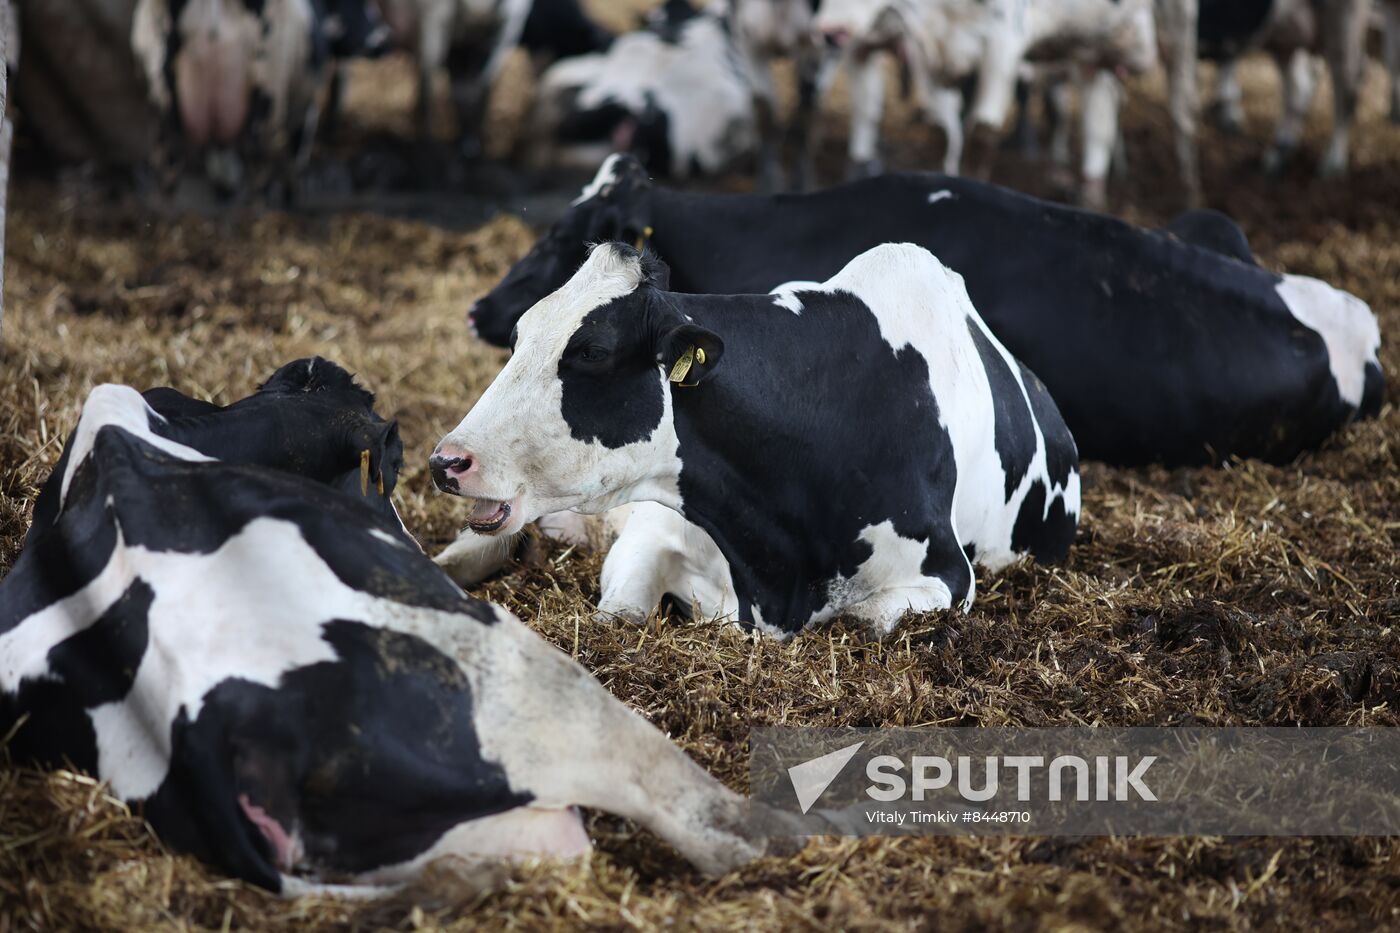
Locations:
1247 595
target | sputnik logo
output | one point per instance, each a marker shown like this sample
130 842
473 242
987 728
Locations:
811 778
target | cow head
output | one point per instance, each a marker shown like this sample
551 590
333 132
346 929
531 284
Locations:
581 416
612 207
308 418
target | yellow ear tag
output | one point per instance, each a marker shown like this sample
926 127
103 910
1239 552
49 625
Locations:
682 367
642 240
700 355
364 472
379 482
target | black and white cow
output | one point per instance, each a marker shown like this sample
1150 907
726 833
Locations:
291 691
558 29
1292 31
852 446
470 39
238 83
676 94
1156 349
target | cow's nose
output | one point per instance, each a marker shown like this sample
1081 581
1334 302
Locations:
471 319
448 465
835 36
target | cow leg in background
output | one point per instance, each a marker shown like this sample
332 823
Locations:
433 37
765 107
867 91
945 110
996 90
1058 112
1344 25
473 558
1176 35
1227 111
584 747
469 70
1099 105
1391 11
9 59
814 74
1299 72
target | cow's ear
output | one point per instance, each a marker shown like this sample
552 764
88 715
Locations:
689 354
381 458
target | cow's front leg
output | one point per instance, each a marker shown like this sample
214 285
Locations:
1176 32
473 558
1099 111
814 74
584 747
867 84
770 149
1299 84
944 110
1227 112
1344 47
1391 12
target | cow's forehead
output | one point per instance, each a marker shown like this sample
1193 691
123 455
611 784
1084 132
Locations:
610 272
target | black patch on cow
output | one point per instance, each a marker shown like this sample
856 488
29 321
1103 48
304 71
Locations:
88 669
1224 28
1372 392
1015 430
668 23
1212 230
1045 536
811 430
610 391
370 758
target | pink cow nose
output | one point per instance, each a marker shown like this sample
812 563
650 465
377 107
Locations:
448 465
836 36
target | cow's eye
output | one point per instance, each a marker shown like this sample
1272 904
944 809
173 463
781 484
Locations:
593 353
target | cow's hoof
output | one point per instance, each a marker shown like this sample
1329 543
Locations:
866 169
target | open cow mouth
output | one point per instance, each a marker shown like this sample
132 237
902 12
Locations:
488 515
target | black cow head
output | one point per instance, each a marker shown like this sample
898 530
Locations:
581 411
612 207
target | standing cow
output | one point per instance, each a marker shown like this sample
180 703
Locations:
852 447
1292 31
942 44
1155 348
470 39
287 687
238 83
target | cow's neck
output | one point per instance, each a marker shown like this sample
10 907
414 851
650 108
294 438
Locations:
741 447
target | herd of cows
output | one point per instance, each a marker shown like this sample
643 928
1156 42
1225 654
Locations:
783 408
241 88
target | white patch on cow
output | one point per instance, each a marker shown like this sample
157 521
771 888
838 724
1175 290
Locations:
658 551
699 83
607 175
388 538
785 295
884 586
936 196
123 407
1345 324
548 469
